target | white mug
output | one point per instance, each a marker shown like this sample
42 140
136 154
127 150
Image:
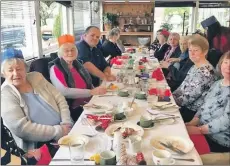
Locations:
162 157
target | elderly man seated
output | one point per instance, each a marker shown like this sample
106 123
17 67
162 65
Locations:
33 110
92 57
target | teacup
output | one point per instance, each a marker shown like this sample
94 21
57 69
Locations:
140 95
119 116
162 157
145 121
107 158
123 93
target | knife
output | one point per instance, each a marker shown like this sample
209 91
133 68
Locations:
171 148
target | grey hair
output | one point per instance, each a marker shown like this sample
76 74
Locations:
113 32
60 50
174 34
12 60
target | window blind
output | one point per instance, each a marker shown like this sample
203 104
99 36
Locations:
18 27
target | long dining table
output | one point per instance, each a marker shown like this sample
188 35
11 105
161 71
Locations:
62 157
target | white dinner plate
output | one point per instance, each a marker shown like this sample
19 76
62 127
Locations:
106 107
139 130
184 144
73 138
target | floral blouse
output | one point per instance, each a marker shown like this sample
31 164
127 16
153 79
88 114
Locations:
197 82
215 112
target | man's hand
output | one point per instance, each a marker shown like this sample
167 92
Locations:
66 128
170 60
193 122
110 78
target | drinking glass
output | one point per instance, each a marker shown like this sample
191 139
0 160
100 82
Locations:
77 149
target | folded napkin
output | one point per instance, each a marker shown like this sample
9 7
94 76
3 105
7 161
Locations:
200 143
105 120
158 74
45 156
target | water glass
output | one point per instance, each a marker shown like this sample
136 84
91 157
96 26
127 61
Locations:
77 151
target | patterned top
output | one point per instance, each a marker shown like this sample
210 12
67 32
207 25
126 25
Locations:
215 112
197 81
10 153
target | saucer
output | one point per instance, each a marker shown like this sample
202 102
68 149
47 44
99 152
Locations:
147 128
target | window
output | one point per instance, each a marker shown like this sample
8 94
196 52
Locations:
95 7
18 27
81 16
221 14
52 21
172 17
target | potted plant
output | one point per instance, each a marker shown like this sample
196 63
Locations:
110 21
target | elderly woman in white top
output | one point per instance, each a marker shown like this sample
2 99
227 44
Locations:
33 110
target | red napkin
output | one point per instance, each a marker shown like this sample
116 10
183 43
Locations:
45 156
158 74
200 143
124 57
153 91
104 119
167 93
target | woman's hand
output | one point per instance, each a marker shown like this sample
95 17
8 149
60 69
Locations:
193 122
170 60
98 91
193 130
36 153
164 64
66 128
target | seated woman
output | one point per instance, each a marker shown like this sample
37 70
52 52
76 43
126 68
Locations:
174 49
198 80
110 47
69 76
178 70
212 118
155 45
32 108
160 52
13 155
184 52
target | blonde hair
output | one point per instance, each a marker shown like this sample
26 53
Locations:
61 48
11 61
199 41
186 38
223 57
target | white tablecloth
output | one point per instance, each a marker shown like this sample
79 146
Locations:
177 129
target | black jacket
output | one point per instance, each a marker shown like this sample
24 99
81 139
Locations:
109 48
178 76
160 52
11 149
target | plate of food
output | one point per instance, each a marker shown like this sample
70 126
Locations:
112 87
98 107
183 144
72 139
127 129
